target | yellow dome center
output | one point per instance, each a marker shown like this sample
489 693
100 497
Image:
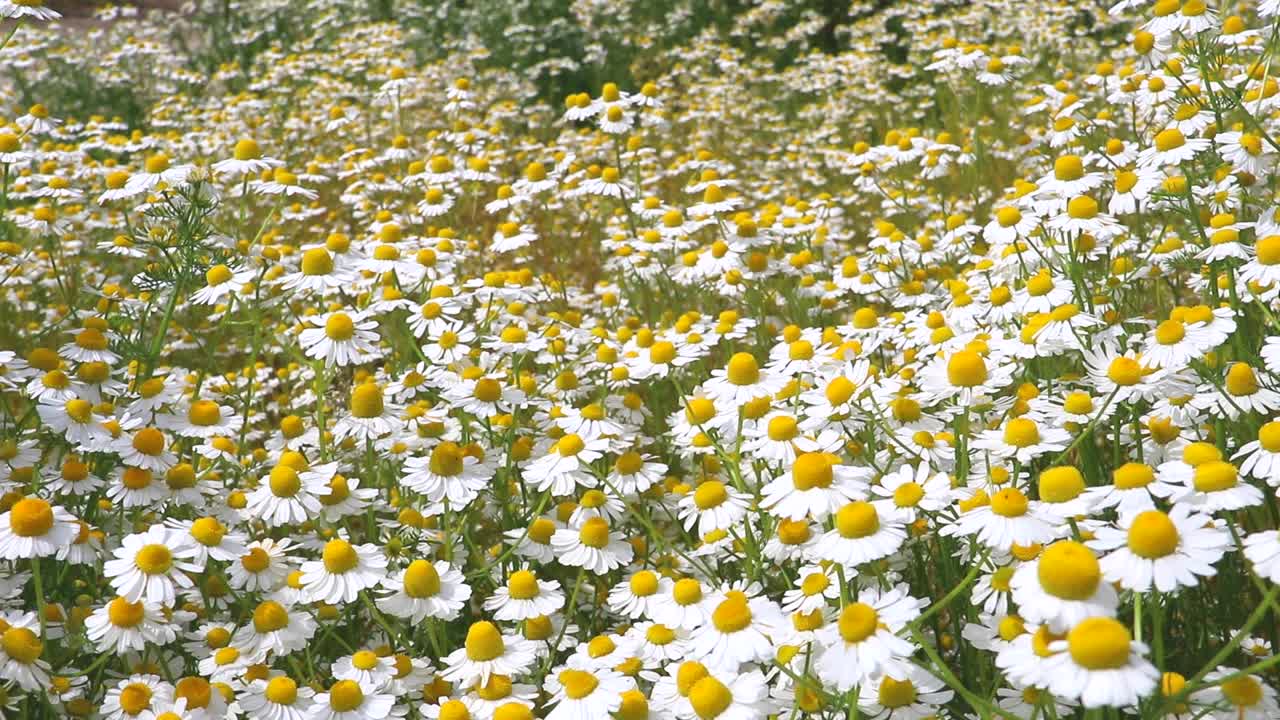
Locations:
1099 644
1069 570
339 556
857 519
154 559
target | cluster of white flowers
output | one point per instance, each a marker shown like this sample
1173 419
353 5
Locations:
360 395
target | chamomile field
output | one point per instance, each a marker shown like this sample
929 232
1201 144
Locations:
640 359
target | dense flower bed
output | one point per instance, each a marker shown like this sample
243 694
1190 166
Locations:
932 375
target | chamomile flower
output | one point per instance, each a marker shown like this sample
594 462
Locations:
738 631
486 652
582 694
349 700
1062 587
593 546
33 528
861 535
277 698
342 572
340 339
1100 665
910 491
286 496
818 485
276 628
121 625
524 596
1166 551
863 643
152 565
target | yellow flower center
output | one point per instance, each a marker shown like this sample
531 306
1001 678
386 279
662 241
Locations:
484 642
284 481
339 556
447 459
22 645
256 560
1269 437
217 275
364 660
1008 216
195 690
1021 433
1078 403
1153 535
966 369
1068 167
908 494
644 583
125 614
339 327
1170 139
497 688
1243 692
157 163
1082 207
812 470
1269 250
135 698
79 410
839 390
1061 484
629 463
1133 475
1010 627
577 684
247 149
1241 380
204 413
1069 570
345 696
783 428
366 400
30 517
522 585
1099 643
1170 332
149 441
743 369
662 352
154 559
1125 372
282 690
570 445
600 646
710 494
700 410
421 580
317 261
1040 285
857 519
487 390
896 693
709 698
1214 476
858 621
815 583
594 533
270 616
687 591
732 614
